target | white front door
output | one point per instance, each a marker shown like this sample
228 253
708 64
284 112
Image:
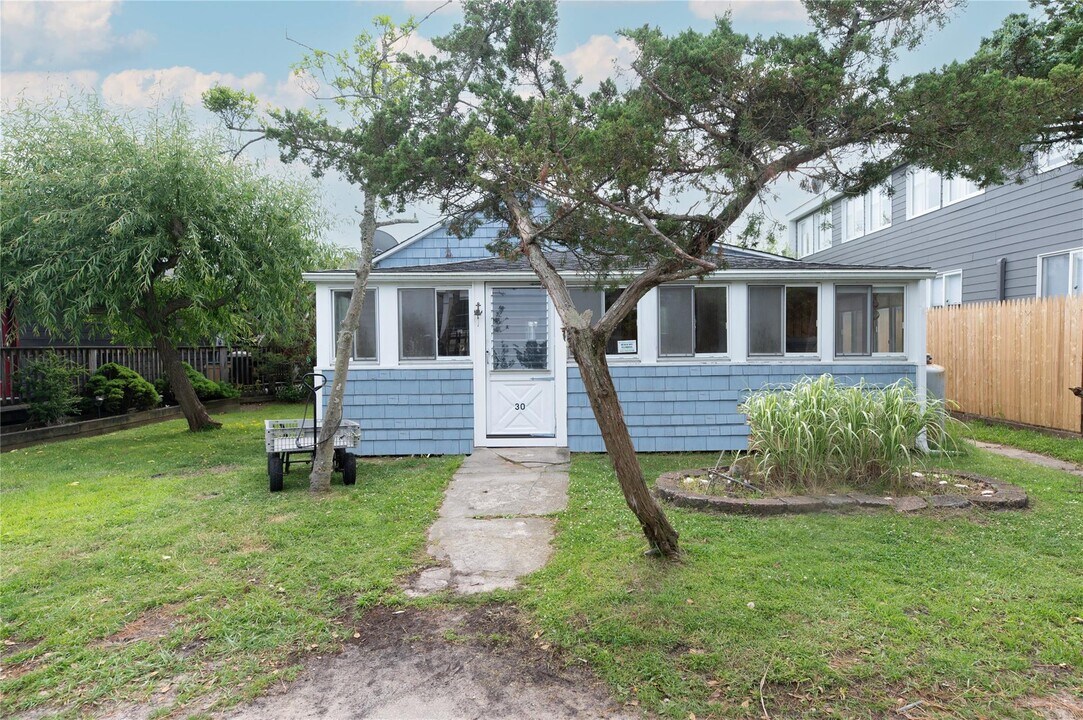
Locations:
519 364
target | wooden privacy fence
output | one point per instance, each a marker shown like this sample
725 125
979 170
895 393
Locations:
1016 360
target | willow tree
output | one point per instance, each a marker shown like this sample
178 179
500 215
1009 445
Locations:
143 228
642 178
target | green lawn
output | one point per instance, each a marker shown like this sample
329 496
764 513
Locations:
851 614
111 541
1065 448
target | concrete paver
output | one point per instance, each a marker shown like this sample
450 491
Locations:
492 530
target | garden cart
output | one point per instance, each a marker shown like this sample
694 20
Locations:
286 439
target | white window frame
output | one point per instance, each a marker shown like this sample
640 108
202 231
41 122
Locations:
945 183
819 322
853 208
438 358
942 277
628 357
1072 280
375 360
707 356
820 229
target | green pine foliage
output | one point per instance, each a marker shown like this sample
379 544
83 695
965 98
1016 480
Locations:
47 385
121 389
205 388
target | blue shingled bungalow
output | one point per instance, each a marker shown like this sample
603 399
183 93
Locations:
458 349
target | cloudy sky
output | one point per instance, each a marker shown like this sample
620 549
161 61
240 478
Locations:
140 54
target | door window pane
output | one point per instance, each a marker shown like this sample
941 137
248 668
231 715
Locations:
675 331
710 319
453 323
417 336
852 320
801 319
520 329
365 334
765 319
888 307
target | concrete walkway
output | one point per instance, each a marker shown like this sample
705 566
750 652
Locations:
490 533
1036 458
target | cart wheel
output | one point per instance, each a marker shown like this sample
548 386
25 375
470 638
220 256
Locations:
274 471
349 468
339 460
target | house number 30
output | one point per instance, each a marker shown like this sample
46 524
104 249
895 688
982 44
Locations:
520 406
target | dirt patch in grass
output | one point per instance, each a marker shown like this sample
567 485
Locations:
154 624
9 649
1060 706
413 663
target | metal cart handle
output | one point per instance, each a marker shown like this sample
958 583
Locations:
311 384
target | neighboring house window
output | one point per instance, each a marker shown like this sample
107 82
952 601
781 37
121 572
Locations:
624 340
1058 156
813 233
691 320
782 320
364 339
927 191
866 214
433 323
946 289
869 320
1060 274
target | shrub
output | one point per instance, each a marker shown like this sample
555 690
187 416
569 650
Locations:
291 393
121 389
817 433
48 385
206 389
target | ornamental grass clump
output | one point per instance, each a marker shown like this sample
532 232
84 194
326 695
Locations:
817 434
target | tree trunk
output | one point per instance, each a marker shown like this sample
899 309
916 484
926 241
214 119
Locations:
193 409
589 350
323 461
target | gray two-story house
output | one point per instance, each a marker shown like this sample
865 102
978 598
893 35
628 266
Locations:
998 243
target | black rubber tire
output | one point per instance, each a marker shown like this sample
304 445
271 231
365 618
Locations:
349 468
274 471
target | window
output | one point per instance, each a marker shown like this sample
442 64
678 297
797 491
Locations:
433 323
868 320
927 191
1060 274
866 214
691 320
1057 156
364 339
813 233
782 320
946 289
623 341
922 191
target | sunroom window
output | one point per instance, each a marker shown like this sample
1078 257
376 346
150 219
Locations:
691 320
782 320
1060 274
869 320
624 340
433 323
364 339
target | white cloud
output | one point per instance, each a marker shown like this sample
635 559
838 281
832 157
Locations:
599 58
38 87
147 88
415 43
770 10
57 35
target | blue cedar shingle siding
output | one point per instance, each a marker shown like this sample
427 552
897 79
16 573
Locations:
434 247
683 408
1015 222
411 412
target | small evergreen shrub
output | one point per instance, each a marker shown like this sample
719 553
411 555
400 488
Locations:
122 390
48 386
817 434
206 389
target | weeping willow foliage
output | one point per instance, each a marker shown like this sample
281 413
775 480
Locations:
819 434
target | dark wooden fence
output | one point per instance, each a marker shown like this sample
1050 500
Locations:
233 365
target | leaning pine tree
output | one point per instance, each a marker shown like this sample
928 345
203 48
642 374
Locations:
641 180
145 230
